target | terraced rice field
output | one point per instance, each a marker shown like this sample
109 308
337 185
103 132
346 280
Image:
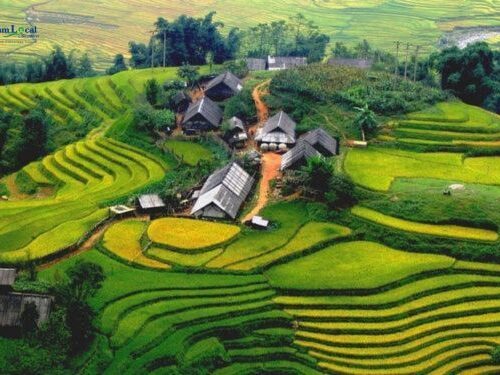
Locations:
431 320
83 175
114 23
453 231
176 318
188 152
451 125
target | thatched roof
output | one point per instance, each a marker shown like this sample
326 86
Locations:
207 109
280 128
227 188
12 306
7 276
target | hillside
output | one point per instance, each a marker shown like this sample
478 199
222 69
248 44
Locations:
106 28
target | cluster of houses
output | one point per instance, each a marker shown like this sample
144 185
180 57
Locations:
12 304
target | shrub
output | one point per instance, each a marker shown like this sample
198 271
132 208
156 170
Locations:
495 355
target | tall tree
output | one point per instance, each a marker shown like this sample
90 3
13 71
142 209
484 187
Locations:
57 66
85 68
118 65
365 120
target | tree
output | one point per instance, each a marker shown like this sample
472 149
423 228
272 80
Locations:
365 120
495 355
85 68
79 318
164 119
189 73
84 280
57 66
341 192
29 319
139 55
152 89
118 65
316 175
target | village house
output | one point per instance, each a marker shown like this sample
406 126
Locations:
223 86
282 63
223 193
314 143
254 64
13 304
355 63
150 204
277 133
203 115
182 101
236 134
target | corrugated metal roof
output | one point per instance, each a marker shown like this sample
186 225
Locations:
206 108
12 306
227 188
229 79
285 62
151 201
280 128
7 276
254 64
314 143
356 63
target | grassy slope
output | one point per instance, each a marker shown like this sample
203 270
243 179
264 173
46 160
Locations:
416 21
189 152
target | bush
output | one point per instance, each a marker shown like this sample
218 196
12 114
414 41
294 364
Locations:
495 355
25 184
241 106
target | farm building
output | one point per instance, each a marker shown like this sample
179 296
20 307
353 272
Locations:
278 131
223 193
314 143
236 135
223 86
12 306
7 278
203 115
182 101
151 204
288 62
355 63
254 64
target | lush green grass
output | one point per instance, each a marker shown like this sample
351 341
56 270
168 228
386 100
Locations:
453 231
376 167
353 265
188 152
418 21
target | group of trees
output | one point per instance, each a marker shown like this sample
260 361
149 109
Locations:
472 74
186 40
296 37
67 333
23 138
56 65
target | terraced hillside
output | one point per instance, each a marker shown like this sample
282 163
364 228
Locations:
78 179
158 322
425 317
106 28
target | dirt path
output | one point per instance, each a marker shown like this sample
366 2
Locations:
271 162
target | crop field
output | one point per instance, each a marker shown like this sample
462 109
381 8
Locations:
82 175
453 231
190 153
414 320
179 318
106 28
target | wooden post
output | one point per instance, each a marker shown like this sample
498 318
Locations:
398 43
416 64
164 47
406 59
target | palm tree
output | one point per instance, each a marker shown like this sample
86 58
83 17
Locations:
365 120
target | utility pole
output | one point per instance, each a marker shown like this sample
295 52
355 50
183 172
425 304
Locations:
151 42
416 64
406 59
164 47
398 43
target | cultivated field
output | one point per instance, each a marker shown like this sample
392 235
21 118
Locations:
105 28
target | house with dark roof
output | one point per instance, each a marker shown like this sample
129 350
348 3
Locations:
355 63
278 130
223 86
181 101
223 193
285 62
7 278
236 134
312 144
203 115
254 64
